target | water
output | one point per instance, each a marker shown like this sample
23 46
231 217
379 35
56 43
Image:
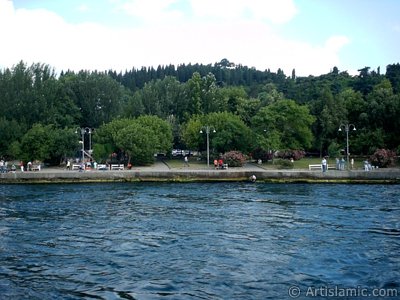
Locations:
196 241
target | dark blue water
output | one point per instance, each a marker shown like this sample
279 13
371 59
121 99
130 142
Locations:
196 241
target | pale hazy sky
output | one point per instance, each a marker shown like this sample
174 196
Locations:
311 36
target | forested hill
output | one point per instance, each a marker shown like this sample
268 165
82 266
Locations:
35 96
225 72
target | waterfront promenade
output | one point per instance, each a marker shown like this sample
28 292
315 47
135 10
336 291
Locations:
161 171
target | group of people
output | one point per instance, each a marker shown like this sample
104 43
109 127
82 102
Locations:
4 168
82 165
367 165
219 164
341 164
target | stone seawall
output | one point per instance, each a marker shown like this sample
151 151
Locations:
62 176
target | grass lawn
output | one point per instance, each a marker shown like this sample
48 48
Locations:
194 163
175 163
304 162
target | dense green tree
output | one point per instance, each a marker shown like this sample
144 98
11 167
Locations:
161 131
231 133
33 94
393 74
138 139
287 125
383 109
138 143
330 112
233 99
97 95
10 131
47 144
133 105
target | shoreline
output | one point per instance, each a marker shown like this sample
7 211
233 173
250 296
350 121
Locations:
162 173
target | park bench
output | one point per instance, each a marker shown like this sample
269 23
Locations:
76 167
102 167
35 168
319 167
222 167
315 167
117 167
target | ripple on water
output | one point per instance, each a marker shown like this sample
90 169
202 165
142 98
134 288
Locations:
195 241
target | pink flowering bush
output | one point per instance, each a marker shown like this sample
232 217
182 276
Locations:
234 158
383 158
288 154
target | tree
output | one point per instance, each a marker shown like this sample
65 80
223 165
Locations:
231 133
105 138
10 131
98 97
46 143
330 112
161 130
393 74
287 125
138 142
139 138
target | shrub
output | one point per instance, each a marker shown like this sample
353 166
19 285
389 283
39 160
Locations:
288 154
383 158
284 164
262 154
334 149
234 158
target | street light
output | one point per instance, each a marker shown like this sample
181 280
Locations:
89 130
82 141
208 128
347 128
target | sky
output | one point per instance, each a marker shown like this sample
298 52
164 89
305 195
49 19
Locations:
310 36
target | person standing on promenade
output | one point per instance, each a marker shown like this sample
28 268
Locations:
342 164
323 164
186 161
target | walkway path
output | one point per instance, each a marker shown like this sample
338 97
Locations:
160 171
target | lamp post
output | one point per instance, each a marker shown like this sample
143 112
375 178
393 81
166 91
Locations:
82 131
82 141
207 129
89 130
347 128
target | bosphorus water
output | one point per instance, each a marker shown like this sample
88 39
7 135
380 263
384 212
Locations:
197 240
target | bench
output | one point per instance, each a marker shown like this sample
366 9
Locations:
35 168
117 167
102 167
319 167
315 167
222 167
76 167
